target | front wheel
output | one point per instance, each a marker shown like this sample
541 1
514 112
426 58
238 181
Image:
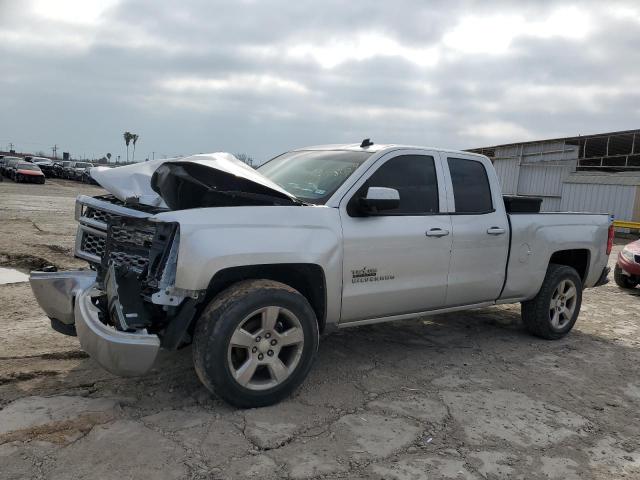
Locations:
255 343
622 280
552 313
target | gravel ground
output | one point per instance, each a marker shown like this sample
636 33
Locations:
461 396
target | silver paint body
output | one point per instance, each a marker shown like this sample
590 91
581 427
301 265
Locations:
465 268
56 292
424 264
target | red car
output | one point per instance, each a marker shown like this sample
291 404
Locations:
28 172
627 270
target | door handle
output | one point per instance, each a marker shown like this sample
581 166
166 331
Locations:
495 231
437 232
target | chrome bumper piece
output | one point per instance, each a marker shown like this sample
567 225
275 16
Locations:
121 353
56 291
67 297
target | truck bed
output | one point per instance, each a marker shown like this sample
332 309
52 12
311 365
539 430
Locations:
536 236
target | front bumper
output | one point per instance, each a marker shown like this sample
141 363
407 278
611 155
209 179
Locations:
121 353
629 267
67 297
30 178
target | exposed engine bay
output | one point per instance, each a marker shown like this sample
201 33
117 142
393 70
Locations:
130 254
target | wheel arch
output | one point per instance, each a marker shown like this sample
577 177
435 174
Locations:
578 259
307 278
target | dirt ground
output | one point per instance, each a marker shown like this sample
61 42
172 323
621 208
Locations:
457 396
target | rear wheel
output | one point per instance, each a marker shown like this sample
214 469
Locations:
255 343
622 280
553 312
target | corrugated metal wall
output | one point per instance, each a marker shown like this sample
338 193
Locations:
542 169
539 152
536 169
551 204
508 172
542 180
587 197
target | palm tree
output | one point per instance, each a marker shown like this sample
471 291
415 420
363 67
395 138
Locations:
127 138
134 138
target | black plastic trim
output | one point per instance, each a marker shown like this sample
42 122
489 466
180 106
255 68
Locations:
63 328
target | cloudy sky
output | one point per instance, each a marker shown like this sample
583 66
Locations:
263 77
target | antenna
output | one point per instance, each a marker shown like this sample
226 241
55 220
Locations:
366 143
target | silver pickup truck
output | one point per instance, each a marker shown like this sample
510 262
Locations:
251 266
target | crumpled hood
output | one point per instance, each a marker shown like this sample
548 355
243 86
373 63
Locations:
205 180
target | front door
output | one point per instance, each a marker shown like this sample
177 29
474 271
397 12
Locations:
397 261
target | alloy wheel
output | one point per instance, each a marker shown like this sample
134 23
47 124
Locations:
265 348
563 304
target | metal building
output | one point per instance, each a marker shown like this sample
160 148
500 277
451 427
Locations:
593 173
616 193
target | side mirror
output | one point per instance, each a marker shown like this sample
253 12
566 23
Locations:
378 199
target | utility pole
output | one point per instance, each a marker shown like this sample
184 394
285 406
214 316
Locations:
54 149
154 155
10 146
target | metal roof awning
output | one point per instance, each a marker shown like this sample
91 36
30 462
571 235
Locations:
604 179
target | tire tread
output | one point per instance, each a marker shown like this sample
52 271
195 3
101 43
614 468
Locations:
535 312
622 280
209 326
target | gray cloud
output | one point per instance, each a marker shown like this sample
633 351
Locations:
263 77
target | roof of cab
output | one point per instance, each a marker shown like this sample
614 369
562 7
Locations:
375 148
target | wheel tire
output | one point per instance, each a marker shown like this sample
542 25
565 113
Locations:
536 313
18 178
622 280
231 309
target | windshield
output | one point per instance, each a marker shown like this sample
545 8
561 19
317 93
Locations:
27 166
82 165
313 175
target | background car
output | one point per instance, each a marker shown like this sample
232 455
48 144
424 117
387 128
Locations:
8 169
75 170
627 270
60 168
41 161
45 164
28 172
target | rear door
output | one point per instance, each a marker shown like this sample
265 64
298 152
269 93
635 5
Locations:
480 231
397 261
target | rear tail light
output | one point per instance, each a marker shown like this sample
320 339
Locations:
610 239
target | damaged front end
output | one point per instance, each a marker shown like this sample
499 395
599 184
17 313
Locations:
126 307
121 308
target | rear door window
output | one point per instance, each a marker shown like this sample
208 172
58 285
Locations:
471 190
